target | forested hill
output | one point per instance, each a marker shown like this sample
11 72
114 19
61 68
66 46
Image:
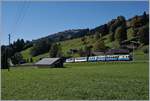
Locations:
133 25
65 35
117 33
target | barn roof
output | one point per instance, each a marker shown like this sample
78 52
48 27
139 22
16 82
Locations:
47 61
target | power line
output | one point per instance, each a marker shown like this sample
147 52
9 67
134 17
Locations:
18 14
21 14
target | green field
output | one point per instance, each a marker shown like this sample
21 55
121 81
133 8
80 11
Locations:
78 81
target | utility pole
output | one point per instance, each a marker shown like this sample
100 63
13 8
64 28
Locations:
9 38
6 50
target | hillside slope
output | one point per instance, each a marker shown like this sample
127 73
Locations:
77 44
117 33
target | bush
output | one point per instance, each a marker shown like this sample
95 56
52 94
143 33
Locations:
99 45
17 58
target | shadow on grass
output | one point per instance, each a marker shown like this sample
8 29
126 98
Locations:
49 67
64 67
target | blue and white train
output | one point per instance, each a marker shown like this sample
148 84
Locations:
81 59
101 58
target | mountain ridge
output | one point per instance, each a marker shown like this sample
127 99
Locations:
76 33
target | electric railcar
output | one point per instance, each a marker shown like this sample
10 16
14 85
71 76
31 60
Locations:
101 58
70 60
80 59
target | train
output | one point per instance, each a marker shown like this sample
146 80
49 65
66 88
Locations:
100 58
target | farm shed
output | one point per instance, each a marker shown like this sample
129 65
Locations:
50 62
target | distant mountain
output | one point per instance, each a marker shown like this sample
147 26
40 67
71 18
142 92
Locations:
119 31
65 35
134 24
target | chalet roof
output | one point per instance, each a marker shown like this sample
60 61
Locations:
47 61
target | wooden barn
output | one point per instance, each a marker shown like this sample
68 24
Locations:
50 62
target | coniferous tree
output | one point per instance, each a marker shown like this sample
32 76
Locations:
55 50
40 47
120 34
31 60
143 34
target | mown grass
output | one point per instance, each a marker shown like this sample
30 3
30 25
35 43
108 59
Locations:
96 81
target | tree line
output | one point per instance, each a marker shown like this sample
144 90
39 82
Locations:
13 51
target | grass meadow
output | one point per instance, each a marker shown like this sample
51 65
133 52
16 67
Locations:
78 81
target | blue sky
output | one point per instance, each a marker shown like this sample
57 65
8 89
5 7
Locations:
32 20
